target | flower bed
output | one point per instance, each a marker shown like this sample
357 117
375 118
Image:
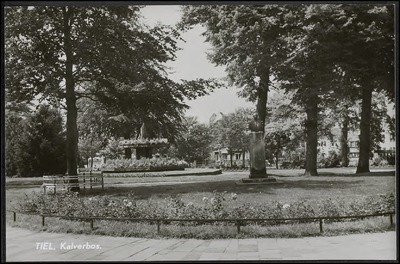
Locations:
154 142
144 165
152 169
214 207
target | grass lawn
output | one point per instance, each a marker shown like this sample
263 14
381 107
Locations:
332 183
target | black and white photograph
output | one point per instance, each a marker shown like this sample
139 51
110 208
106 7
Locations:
140 131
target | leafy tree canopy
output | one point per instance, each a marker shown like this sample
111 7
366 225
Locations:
64 53
194 141
39 146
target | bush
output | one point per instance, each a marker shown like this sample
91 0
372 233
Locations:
143 164
285 165
378 161
298 164
214 207
14 126
331 208
40 147
391 160
332 160
384 163
213 165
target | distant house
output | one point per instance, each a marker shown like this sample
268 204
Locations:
221 157
354 148
387 148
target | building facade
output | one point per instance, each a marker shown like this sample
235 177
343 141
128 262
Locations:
222 158
386 151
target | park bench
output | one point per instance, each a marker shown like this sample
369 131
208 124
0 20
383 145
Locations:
56 183
59 182
91 177
50 183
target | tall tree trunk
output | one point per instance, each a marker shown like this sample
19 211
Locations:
262 97
244 159
278 151
138 131
365 139
277 160
128 151
72 112
344 142
312 136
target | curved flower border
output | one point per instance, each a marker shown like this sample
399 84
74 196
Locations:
143 164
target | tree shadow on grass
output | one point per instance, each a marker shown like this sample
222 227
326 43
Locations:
166 190
28 186
371 174
376 173
339 174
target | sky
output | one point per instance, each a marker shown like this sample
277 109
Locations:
192 63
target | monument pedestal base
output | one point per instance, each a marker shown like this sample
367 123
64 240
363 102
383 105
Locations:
258 180
258 174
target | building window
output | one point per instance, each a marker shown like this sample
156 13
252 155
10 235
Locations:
353 155
354 144
237 156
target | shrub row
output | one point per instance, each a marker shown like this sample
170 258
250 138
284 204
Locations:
143 164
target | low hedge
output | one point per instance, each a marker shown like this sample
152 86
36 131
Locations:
144 165
220 206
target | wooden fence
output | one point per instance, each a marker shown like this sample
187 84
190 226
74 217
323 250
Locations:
238 222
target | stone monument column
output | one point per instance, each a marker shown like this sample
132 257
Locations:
257 155
258 172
